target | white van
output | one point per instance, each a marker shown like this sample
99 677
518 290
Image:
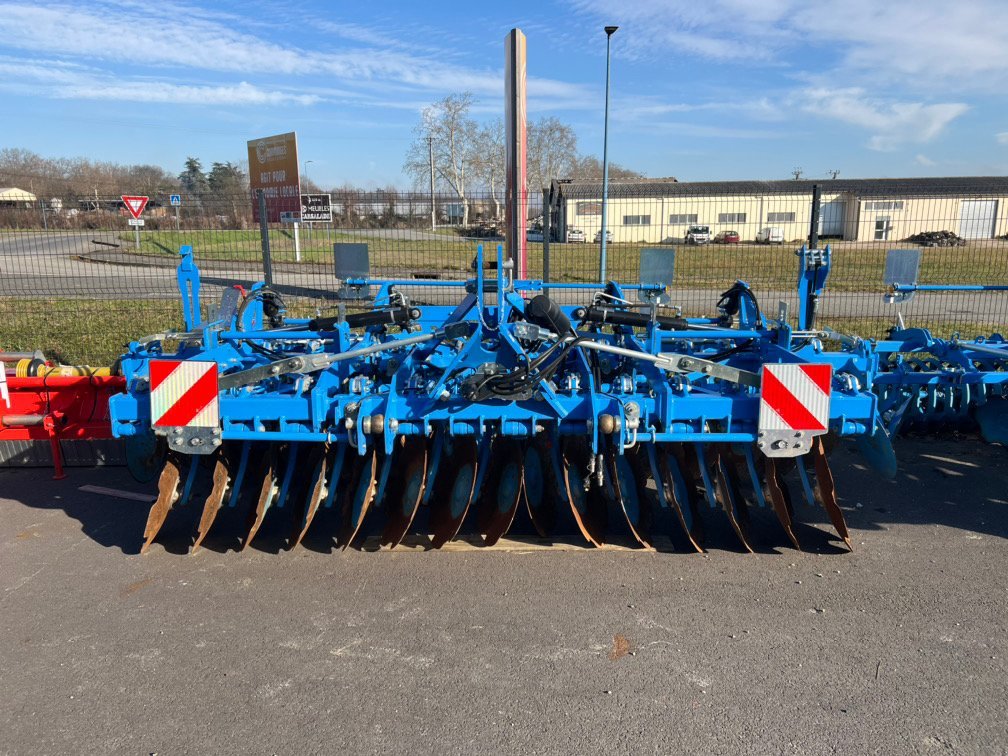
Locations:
770 235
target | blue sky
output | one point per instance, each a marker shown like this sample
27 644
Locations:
709 90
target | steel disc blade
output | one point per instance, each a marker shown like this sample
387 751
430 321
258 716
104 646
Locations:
453 491
540 485
405 488
145 456
318 466
878 452
501 494
677 493
222 473
359 497
992 417
774 489
169 486
268 489
629 484
826 491
729 495
586 499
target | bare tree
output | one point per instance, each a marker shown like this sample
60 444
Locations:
451 130
589 167
552 151
488 161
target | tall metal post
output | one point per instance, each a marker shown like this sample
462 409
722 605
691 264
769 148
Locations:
433 209
547 233
264 236
609 30
516 150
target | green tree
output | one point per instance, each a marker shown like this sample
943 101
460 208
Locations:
193 180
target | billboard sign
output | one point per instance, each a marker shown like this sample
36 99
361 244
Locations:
316 208
273 167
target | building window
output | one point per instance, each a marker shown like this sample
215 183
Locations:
884 205
731 218
882 227
588 208
636 220
780 217
682 219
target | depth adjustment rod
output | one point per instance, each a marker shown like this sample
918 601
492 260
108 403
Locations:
681 363
310 363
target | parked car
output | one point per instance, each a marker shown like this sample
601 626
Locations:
727 237
575 235
770 235
534 235
608 236
697 235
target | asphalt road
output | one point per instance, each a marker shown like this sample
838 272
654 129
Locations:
898 647
40 265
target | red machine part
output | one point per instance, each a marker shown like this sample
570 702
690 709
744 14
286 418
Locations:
54 408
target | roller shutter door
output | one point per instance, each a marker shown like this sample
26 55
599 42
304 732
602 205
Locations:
976 219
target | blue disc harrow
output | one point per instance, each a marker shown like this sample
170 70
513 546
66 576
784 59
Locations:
591 409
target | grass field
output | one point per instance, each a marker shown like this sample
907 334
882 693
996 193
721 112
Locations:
857 266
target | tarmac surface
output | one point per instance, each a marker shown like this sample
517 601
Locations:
898 647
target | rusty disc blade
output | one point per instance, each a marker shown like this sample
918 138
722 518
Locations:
223 459
774 490
454 487
729 495
679 495
359 497
269 487
825 490
405 489
501 493
588 506
540 484
168 492
319 464
629 484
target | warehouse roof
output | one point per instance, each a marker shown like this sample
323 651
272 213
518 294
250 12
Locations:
13 194
938 186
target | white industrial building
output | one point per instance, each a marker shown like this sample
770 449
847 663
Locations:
851 209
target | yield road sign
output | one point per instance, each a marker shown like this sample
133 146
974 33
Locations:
134 204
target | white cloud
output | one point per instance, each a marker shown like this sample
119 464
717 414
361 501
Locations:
925 43
924 160
162 37
892 122
1002 137
242 93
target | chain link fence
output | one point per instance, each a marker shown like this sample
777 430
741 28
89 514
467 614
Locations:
79 282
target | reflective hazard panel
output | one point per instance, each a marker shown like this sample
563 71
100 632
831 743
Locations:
184 394
794 407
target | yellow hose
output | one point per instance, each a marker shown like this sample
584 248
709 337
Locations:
31 368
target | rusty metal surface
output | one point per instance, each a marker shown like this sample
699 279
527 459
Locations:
726 490
629 479
405 488
825 490
454 489
587 506
686 512
502 491
777 494
212 504
360 496
266 476
168 492
318 484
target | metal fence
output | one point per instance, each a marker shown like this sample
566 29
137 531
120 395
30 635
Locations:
79 282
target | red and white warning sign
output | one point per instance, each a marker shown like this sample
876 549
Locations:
4 393
795 398
134 204
183 393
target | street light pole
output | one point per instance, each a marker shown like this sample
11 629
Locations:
609 30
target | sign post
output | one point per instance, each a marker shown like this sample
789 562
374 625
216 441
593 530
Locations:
135 204
176 201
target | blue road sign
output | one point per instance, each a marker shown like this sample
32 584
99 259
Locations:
176 199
